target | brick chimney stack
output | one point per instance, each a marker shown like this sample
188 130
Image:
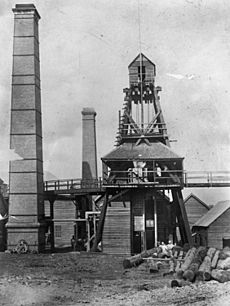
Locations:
26 206
89 148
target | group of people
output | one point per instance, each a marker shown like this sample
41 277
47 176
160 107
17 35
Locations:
166 249
78 245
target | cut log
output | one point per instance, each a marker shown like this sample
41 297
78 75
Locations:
189 275
221 276
191 271
151 252
225 253
211 252
136 260
132 261
204 272
179 261
223 264
215 259
179 274
180 268
154 268
188 259
179 283
181 254
175 254
172 266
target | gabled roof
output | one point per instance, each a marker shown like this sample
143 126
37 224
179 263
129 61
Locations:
143 151
213 214
143 57
197 199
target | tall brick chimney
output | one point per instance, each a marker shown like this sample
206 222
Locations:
26 206
89 149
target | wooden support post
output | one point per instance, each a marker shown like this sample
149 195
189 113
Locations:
76 228
94 225
155 222
75 235
52 225
88 235
144 231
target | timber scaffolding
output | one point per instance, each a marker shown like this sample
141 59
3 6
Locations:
72 189
127 179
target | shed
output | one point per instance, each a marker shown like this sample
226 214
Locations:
213 229
195 209
63 229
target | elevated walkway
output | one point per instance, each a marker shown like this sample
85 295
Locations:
168 179
69 188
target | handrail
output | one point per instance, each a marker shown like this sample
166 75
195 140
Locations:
152 178
72 184
208 178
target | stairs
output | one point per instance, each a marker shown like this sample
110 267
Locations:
116 233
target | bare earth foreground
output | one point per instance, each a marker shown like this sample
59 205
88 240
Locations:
95 279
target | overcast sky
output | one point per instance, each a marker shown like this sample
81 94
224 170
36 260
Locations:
86 47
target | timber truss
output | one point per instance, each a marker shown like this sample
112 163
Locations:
141 103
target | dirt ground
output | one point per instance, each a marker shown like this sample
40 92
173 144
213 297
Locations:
95 279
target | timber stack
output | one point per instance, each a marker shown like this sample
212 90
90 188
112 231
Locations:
203 264
197 264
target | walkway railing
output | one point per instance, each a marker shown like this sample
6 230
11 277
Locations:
72 184
207 179
138 176
148 178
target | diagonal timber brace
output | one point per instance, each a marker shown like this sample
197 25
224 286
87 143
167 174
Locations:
133 123
151 124
101 222
182 217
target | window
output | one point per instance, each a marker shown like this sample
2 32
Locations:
141 69
57 229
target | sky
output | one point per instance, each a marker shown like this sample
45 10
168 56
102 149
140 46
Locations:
85 49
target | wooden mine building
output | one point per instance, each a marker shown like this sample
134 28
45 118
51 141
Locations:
139 171
195 209
213 229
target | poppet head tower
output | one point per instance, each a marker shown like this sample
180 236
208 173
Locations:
140 169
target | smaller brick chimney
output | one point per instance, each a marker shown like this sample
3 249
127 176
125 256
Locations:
89 147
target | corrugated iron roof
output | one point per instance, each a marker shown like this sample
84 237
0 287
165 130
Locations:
213 214
143 151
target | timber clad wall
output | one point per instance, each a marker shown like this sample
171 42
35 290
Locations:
116 234
63 231
195 209
218 230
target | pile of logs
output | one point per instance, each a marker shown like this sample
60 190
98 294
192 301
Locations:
203 264
198 264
